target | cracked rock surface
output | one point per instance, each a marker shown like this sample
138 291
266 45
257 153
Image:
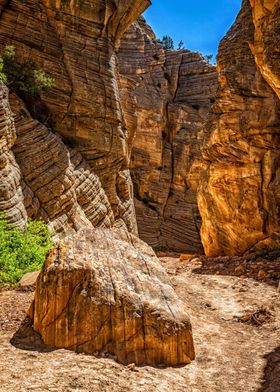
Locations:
105 292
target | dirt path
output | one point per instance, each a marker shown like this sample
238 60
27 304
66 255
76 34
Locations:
232 356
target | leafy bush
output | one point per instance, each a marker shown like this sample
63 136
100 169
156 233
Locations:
23 76
160 248
22 252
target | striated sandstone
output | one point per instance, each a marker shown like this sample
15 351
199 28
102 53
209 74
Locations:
238 176
105 292
58 185
75 42
265 45
11 196
166 96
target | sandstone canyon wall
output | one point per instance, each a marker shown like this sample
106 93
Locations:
76 173
65 158
11 195
239 172
144 110
166 97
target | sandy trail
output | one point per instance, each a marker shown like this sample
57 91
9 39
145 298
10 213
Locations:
231 356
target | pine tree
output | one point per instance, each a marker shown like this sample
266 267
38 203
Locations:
181 45
167 42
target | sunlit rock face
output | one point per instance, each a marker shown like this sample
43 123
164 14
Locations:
104 292
166 96
239 173
75 174
265 45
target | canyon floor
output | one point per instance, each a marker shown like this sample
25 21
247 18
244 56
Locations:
236 327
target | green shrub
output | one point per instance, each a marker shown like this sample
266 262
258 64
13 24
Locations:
22 252
160 248
24 77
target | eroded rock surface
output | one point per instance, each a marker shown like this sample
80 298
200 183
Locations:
239 174
105 292
265 46
166 96
11 196
57 183
74 42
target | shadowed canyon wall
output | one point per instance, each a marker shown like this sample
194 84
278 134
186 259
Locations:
89 183
239 172
69 157
166 97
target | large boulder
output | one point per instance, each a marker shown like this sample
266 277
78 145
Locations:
105 292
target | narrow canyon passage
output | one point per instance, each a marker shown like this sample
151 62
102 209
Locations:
143 182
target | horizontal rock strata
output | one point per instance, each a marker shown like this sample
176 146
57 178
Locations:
166 96
104 292
82 178
58 185
11 195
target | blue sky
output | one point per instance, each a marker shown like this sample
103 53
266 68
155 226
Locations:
201 24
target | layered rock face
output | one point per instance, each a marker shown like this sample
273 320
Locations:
104 292
11 196
64 158
74 42
58 184
265 46
166 96
239 174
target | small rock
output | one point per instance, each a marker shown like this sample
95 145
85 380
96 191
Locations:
186 257
29 279
261 275
240 269
131 367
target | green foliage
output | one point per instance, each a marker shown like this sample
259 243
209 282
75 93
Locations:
22 252
2 74
166 41
209 57
24 77
181 45
160 248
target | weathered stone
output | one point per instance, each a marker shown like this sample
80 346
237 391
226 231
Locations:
239 173
11 196
166 96
265 46
58 185
105 292
74 42
29 279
